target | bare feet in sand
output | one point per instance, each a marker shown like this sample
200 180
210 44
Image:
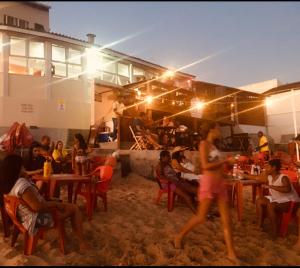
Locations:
234 260
177 242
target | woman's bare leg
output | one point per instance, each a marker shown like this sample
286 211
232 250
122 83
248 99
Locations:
225 218
187 198
67 210
273 218
199 218
261 204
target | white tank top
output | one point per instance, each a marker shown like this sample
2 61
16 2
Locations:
279 197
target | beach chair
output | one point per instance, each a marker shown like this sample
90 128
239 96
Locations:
139 144
99 189
11 204
165 186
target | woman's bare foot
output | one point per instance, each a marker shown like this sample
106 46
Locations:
177 242
234 259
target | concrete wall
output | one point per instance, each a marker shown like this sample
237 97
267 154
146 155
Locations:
250 129
22 11
280 115
144 162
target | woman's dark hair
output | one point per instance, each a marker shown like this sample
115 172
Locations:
206 127
177 156
56 145
9 173
33 145
163 154
82 143
275 163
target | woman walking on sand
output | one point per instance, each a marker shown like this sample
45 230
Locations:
212 187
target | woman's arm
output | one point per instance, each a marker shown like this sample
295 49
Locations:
33 172
179 167
30 197
262 177
204 158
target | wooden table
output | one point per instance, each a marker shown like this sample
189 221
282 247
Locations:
239 190
68 179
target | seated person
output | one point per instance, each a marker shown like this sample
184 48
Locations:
61 159
182 166
37 212
139 124
47 146
281 192
80 155
34 164
180 187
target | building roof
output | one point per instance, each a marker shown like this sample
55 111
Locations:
283 88
37 4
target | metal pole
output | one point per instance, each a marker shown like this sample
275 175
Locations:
295 122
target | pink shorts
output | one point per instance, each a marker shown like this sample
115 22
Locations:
211 187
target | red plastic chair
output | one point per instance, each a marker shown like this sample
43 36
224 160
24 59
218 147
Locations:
165 186
287 217
11 204
5 222
100 188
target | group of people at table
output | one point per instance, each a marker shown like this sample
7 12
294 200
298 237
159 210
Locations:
164 134
16 180
211 185
198 190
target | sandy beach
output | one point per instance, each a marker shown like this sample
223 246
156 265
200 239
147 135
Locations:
136 231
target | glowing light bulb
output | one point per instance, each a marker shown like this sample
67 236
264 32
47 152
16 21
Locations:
149 99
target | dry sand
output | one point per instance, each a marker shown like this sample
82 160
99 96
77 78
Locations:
136 231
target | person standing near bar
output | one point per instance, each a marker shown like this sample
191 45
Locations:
118 107
263 145
212 186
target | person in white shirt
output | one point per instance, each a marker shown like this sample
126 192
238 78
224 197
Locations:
281 192
118 107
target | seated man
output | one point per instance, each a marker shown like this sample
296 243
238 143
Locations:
183 188
139 124
281 192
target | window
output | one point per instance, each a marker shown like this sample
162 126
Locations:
17 46
58 53
58 61
74 66
36 49
66 62
108 65
123 69
26 57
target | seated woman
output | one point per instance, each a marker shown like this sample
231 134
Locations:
34 164
79 155
181 165
180 187
61 160
281 192
37 212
